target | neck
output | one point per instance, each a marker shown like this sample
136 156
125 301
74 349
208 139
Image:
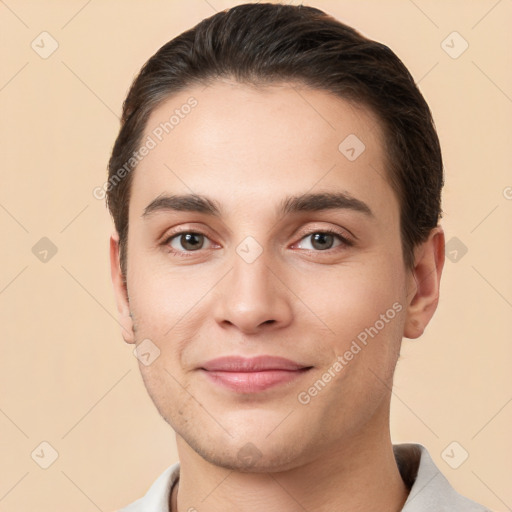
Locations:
357 475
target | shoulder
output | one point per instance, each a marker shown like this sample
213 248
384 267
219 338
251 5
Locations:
430 489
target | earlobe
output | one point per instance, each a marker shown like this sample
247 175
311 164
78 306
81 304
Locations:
120 291
425 283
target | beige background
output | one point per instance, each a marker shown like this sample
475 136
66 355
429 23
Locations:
66 376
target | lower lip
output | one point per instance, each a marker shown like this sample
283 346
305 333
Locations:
253 382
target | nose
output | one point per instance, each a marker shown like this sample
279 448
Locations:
253 297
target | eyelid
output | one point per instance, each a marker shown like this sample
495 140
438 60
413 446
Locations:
181 229
312 228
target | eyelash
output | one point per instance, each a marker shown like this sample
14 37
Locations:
187 254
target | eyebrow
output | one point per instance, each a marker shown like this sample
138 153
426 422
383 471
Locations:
182 203
292 204
324 201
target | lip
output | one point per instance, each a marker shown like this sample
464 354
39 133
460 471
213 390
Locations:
252 375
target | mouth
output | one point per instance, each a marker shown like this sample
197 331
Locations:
252 375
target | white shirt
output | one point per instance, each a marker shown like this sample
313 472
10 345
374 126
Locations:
430 491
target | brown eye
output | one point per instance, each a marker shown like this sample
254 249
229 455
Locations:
322 241
188 241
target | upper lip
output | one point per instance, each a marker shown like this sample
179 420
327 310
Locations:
251 364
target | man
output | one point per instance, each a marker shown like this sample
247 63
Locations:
275 188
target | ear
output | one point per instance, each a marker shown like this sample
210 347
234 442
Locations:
423 295
120 291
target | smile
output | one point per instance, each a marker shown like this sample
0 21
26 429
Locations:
252 375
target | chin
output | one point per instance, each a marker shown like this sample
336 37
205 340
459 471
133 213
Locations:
250 458
250 452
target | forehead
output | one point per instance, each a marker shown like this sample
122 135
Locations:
250 146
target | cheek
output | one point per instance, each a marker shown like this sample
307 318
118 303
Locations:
164 385
162 298
354 297
365 312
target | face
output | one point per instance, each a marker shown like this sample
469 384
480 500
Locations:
289 248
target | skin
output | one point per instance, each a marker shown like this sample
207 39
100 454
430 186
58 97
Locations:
247 149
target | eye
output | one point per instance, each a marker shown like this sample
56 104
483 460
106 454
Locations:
323 240
188 242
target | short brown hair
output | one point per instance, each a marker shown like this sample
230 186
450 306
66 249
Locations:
262 44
